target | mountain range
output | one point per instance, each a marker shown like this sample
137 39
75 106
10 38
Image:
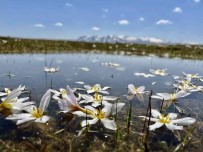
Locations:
121 39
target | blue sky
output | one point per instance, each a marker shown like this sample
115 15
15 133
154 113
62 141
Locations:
170 20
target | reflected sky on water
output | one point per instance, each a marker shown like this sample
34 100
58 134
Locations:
28 71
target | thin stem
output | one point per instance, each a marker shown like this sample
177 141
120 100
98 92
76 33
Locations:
150 113
144 126
30 95
51 84
162 105
129 118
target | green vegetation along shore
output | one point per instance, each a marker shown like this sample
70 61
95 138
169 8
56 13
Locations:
10 45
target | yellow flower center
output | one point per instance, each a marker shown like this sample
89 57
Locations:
164 120
7 91
173 98
97 97
95 88
5 109
63 93
192 75
135 89
5 105
100 114
159 71
195 87
185 82
182 87
37 113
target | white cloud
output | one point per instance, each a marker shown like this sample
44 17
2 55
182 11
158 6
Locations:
163 22
196 1
69 4
39 25
177 10
141 19
123 22
96 28
59 24
105 10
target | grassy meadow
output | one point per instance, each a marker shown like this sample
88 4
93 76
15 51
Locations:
18 45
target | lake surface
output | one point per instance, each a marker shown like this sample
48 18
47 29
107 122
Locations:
28 71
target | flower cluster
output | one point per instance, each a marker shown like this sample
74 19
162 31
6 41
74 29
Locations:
95 106
30 112
11 103
184 87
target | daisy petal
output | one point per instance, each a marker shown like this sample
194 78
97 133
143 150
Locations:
88 87
155 126
140 97
3 94
172 115
43 119
66 106
15 93
184 121
90 91
94 104
109 124
181 94
104 92
45 101
22 99
110 98
141 89
130 97
87 97
174 127
88 122
165 96
156 113
157 97
24 120
79 113
91 109
71 96
131 89
105 88
119 107
19 116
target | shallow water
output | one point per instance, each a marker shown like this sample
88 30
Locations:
28 71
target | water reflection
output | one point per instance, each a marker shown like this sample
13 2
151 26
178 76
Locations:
28 70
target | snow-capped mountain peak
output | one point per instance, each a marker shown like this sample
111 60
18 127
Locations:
121 39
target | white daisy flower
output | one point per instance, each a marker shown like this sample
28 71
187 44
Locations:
168 120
